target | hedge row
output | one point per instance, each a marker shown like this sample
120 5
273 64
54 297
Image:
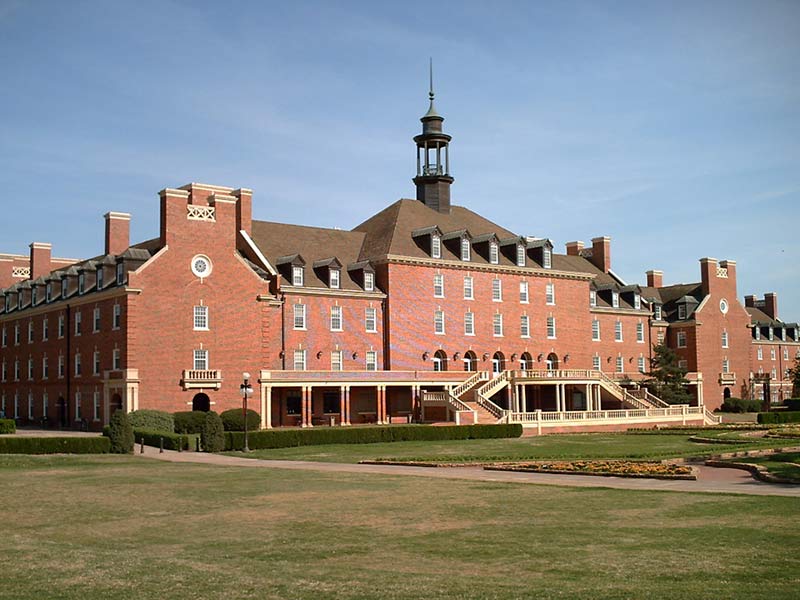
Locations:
152 420
740 405
55 445
172 441
7 426
189 421
233 420
792 404
779 417
287 438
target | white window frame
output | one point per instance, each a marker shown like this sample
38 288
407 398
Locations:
200 359
438 285
45 329
726 365
550 294
724 338
436 246
497 325
618 331
371 319
299 362
524 292
96 406
337 360
466 250
524 326
78 322
299 317
438 322
551 328
78 366
469 323
596 362
657 312
371 360
120 274
619 364
369 281
30 331
96 362
469 287
116 322
521 255
682 311
596 330
614 299
337 320
640 333
637 301
592 298
45 367
334 279
772 354
547 257
116 359
497 290
201 318
680 339
760 353
298 276
642 364
494 253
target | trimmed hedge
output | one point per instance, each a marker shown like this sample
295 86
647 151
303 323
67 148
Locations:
172 441
189 421
233 420
287 438
792 404
152 420
8 426
779 417
212 438
120 433
740 405
55 445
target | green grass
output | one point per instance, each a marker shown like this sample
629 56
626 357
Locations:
567 446
785 465
133 528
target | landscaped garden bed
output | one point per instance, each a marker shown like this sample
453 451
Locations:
772 467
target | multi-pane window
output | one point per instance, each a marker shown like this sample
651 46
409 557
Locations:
726 365
681 339
78 322
34 289
641 364
61 365
299 316
785 354
96 320
618 331
77 364
760 353
30 406
592 298
520 255
30 332
596 362
497 290
3 372
657 312
61 326
551 328
497 325
16 369
30 369
336 360
45 329
96 406
438 322
45 367
77 406
620 364
468 289
524 326
757 333
372 360
371 320
660 336
334 278
4 337
369 282
201 318
81 283
469 323
438 285
120 273
550 293
336 318
297 275
547 259
465 249
640 332
44 404
117 321
523 292
64 287
724 339
615 299
48 292
201 360
596 330
637 301
494 253
299 360
682 311
116 362
99 278
772 353
16 334
96 363
436 246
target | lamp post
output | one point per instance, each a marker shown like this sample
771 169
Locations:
247 391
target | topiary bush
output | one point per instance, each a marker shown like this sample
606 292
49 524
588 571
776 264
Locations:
212 437
152 420
7 426
120 433
189 421
233 420
740 405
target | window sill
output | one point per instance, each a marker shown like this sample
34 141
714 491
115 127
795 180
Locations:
201 329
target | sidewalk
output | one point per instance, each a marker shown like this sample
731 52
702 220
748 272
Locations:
710 480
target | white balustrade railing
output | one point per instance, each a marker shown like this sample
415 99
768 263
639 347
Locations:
474 379
202 375
601 415
450 401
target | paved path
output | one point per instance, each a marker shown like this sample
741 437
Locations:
710 480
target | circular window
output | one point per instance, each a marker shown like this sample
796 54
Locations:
201 266
723 306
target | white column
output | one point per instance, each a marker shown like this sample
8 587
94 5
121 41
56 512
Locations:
263 406
558 398
268 408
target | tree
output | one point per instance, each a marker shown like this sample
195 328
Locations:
668 380
794 375
120 433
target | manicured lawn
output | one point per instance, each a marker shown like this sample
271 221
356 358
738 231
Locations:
589 445
783 465
132 528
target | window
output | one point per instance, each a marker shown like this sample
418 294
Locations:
201 318
494 253
551 328
465 249
774 374
336 318
3 372
299 360
48 292
524 326
116 362
523 292
660 336
620 364
547 258
681 339
438 322
334 278
641 364
120 273
757 332
772 353
550 294
16 369
293 405
640 332
336 360
682 311
637 301
331 402
297 275
468 293
30 369
77 406
45 329
438 286
596 330
81 283
16 334
78 322
30 406
96 363
724 339
520 255
33 295
726 365
371 320
44 404
96 320
4 337
369 282
61 365
201 360
30 332
117 316
469 323
497 325
760 352
497 290
657 312
96 406
299 316
618 331
77 364
61 326
771 334
592 298
785 354
615 299
596 362
45 367
436 246
99 278
372 360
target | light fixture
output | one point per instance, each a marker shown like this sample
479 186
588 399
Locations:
425 355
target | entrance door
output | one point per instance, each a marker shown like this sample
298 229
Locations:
201 402
552 362
62 412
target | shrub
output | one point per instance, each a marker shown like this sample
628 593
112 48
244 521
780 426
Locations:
739 405
189 421
233 420
54 445
285 438
792 404
172 441
154 420
7 426
779 417
120 433
213 435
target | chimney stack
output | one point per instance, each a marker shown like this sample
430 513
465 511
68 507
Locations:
601 253
771 304
655 278
118 232
750 301
41 255
574 248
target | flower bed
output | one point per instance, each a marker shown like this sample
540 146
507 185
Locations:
614 468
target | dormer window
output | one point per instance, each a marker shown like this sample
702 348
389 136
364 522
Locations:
81 283
637 301
592 298
682 311
99 277
8 303
520 255
494 253
657 312
297 276
20 297
783 330
757 332
547 257
48 292
615 299
369 281
33 303
771 331
334 278
465 249
436 246
120 273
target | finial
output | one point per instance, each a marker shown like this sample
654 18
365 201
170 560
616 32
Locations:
430 93
431 109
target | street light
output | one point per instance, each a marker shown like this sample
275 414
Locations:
247 391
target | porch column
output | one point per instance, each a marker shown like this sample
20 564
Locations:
381 404
266 414
597 401
307 406
342 406
349 407
558 398
106 416
414 400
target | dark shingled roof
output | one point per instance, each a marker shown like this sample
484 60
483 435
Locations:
759 316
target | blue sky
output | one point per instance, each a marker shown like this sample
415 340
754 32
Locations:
673 127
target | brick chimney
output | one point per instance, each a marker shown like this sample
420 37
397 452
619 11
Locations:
601 253
771 304
708 274
244 210
118 232
574 248
40 259
750 301
655 278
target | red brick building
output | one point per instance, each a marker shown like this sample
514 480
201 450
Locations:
424 311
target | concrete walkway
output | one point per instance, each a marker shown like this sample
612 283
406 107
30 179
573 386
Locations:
710 480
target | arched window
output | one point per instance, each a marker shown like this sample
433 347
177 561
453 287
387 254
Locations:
525 361
498 362
552 362
470 361
440 360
